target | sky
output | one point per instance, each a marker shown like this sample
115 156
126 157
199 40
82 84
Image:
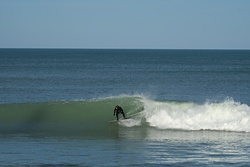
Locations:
125 24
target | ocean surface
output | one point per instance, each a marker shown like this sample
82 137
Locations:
185 107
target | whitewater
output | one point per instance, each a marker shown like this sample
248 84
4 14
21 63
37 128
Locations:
227 115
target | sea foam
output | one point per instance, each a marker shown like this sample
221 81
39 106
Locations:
227 115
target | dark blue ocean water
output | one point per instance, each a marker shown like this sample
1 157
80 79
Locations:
187 107
35 75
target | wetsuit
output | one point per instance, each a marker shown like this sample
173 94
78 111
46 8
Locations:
117 111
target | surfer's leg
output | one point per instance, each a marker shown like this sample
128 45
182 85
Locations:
117 116
123 114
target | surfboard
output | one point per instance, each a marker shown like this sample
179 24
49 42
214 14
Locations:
113 121
118 120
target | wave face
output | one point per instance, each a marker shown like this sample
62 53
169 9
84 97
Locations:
91 118
83 117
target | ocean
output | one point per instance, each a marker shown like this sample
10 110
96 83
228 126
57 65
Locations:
185 107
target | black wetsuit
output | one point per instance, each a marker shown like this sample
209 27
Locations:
117 111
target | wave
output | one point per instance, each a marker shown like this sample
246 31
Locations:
227 115
91 117
86 117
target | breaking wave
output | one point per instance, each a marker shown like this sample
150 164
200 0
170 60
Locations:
91 117
227 115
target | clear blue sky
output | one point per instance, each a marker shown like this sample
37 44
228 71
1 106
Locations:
149 24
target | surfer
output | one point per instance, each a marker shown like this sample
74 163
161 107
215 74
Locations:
117 111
